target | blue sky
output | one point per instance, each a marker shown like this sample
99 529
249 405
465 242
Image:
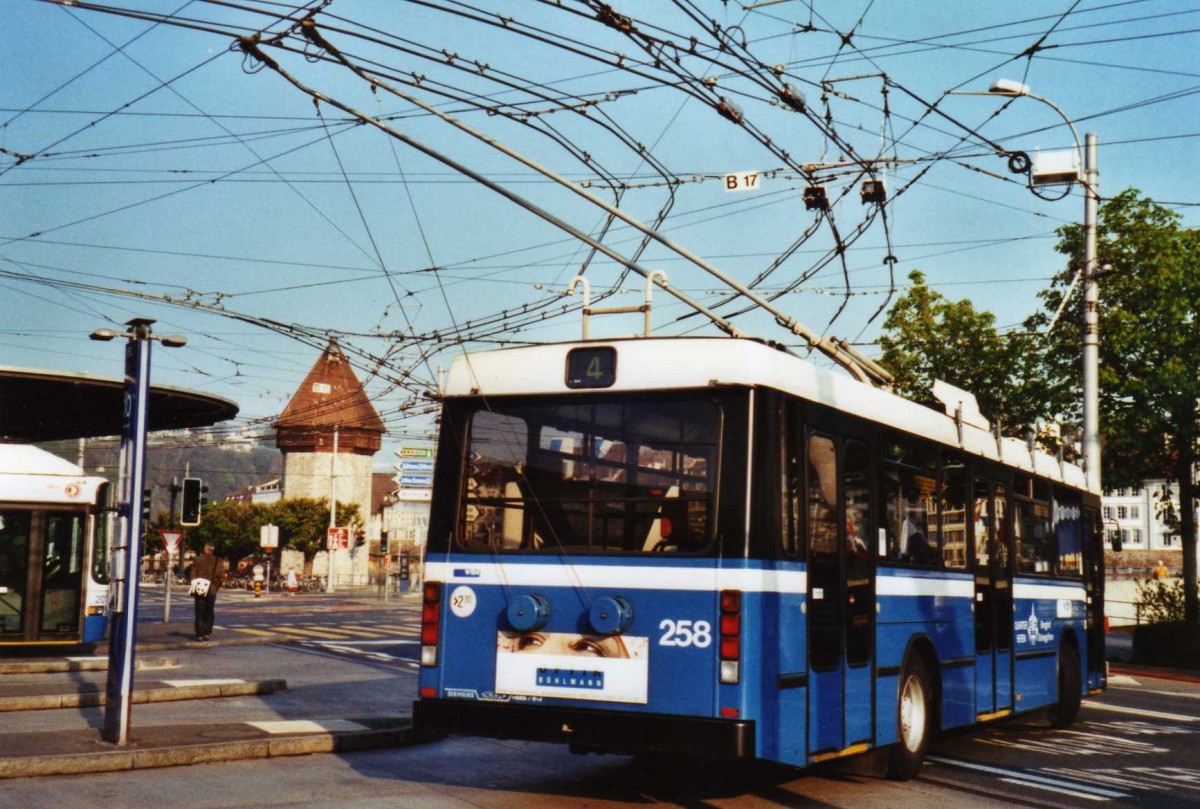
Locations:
146 157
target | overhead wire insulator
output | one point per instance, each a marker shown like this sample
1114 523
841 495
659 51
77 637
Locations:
793 98
730 110
611 18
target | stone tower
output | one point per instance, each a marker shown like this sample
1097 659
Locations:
330 404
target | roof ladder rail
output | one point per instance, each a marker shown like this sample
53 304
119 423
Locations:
655 276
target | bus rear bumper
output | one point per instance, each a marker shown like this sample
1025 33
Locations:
587 731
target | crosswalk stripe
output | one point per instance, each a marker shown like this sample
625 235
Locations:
254 631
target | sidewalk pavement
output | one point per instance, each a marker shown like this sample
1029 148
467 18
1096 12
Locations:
27 751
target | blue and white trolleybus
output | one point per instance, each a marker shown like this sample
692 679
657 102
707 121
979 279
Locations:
54 545
709 546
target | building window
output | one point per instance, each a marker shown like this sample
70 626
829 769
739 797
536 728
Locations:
1135 513
1108 512
1135 536
1122 513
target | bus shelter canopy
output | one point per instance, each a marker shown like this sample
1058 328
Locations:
48 406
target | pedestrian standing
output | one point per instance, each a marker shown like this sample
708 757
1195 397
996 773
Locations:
207 574
1160 571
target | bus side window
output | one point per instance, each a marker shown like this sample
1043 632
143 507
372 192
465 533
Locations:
952 512
1034 543
911 516
822 496
791 480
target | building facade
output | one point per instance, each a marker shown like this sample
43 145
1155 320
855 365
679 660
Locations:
1138 516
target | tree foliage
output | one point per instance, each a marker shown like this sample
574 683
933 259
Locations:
927 337
233 526
1149 344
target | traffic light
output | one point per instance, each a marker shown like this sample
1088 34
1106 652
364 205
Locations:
190 513
359 538
146 501
383 542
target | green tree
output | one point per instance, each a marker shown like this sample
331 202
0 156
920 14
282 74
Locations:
303 522
927 337
1149 346
231 526
234 527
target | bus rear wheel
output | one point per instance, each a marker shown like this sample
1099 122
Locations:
1063 713
914 714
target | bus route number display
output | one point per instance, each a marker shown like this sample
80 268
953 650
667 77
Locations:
591 367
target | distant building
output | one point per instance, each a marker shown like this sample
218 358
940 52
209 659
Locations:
330 408
268 492
1137 515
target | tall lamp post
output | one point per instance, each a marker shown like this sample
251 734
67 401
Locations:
1091 292
126 556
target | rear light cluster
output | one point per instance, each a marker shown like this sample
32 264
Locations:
731 634
431 613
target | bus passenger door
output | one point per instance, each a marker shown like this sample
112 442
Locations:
840 596
993 600
16 527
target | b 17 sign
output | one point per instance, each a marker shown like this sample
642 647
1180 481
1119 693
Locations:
742 181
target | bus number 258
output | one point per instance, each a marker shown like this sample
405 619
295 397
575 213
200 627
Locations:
685 633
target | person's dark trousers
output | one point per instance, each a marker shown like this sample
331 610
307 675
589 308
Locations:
204 614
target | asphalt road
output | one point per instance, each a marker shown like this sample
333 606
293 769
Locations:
1135 746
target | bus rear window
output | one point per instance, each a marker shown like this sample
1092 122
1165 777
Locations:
598 477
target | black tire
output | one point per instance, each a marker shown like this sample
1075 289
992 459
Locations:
1070 687
914 720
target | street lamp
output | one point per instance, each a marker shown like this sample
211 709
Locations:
1053 172
125 556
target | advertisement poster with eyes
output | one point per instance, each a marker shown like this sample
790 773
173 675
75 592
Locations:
605 668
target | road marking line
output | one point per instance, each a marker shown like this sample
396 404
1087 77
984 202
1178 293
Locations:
1059 790
306 725
1158 692
1172 717
1122 681
255 631
186 683
1029 778
296 630
372 642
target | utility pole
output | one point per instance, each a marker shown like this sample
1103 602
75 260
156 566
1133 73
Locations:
174 490
1091 316
332 508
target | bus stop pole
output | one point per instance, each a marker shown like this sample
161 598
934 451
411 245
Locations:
126 558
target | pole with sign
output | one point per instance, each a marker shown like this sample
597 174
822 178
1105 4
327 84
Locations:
268 538
126 558
173 540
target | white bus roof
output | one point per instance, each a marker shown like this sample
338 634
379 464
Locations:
671 363
32 475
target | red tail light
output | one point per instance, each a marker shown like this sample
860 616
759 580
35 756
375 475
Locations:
666 527
730 635
431 610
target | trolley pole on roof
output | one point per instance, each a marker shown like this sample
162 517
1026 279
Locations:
126 555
